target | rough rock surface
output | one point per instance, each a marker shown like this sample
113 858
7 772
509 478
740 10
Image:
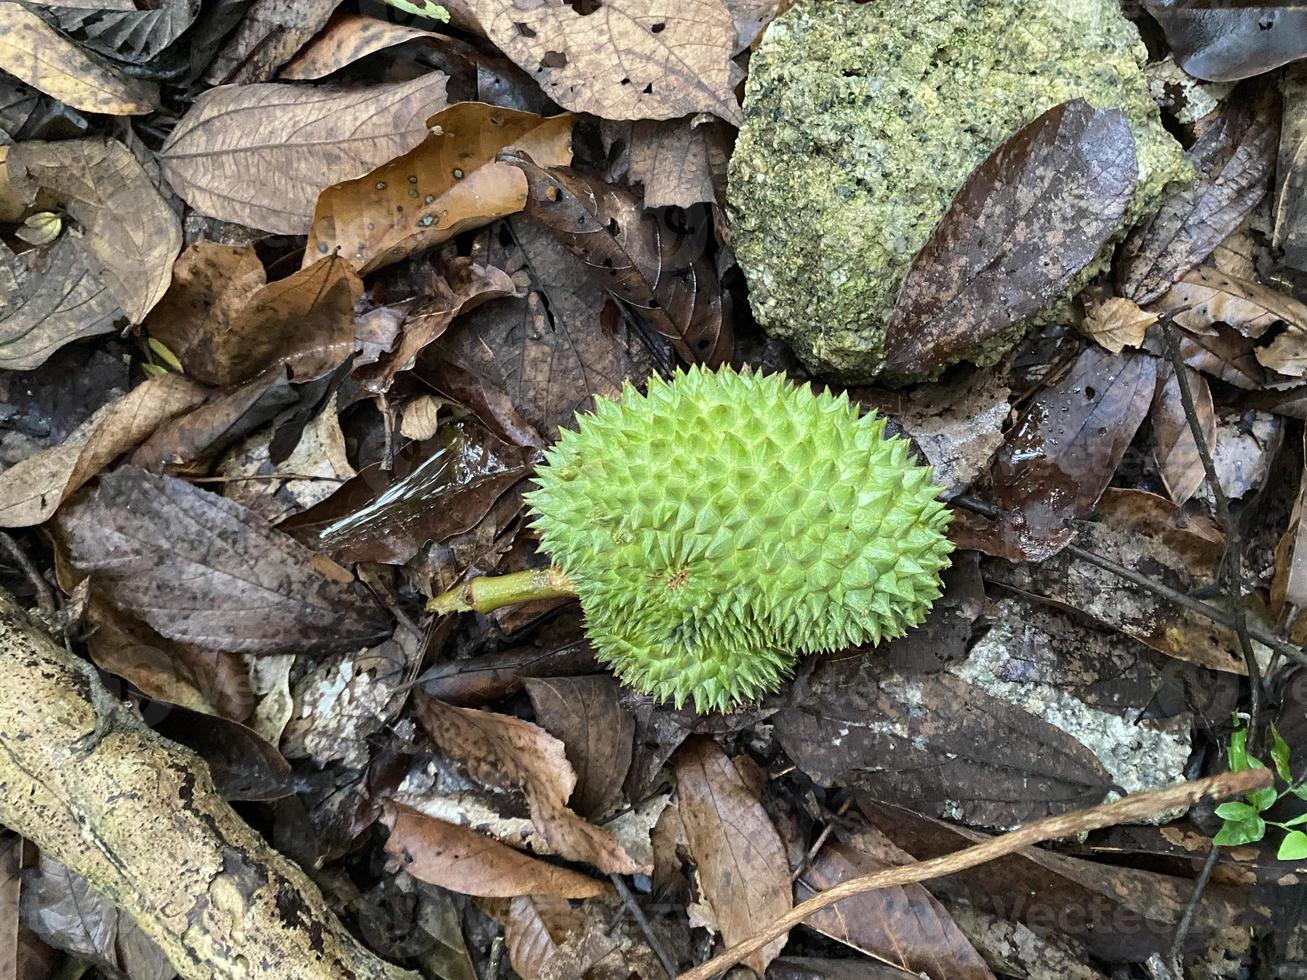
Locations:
862 120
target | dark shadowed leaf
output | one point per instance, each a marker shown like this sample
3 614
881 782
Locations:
1233 158
204 570
743 870
1219 351
125 33
938 744
1289 208
347 38
244 765
267 36
903 925
657 269
1178 462
460 859
596 731
1224 41
48 298
549 351
480 680
1031 216
1061 456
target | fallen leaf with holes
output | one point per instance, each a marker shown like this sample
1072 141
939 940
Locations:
904 925
130 234
32 490
227 326
511 754
1118 323
347 38
551 351
743 871
49 298
448 184
1174 448
1207 295
299 139
1060 457
460 859
659 270
33 51
624 60
1233 156
203 570
1034 213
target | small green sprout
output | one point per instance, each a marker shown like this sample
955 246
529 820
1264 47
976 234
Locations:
1243 821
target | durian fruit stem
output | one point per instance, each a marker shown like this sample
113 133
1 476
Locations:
486 593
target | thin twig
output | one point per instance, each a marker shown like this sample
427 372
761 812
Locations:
1232 560
1158 589
1136 808
633 907
819 843
1191 907
45 598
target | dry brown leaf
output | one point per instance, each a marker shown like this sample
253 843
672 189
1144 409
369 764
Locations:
49 298
622 59
131 235
448 184
460 859
1286 354
584 713
1290 585
347 38
1118 323
226 326
512 754
1219 351
267 35
1206 296
902 925
534 929
1289 206
1178 462
298 139
33 51
678 162
32 490
743 871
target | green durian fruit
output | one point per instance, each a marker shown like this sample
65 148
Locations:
724 523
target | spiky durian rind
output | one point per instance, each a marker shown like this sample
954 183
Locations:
723 523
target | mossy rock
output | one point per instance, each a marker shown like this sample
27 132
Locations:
861 122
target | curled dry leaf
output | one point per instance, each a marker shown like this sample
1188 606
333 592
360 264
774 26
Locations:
33 51
659 270
32 490
130 234
1286 354
1061 456
1233 157
511 754
227 326
534 929
347 38
266 37
1207 295
460 859
1176 452
904 925
1224 42
1118 323
298 139
49 298
449 183
628 59
743 871
1037 210
203 570
584 713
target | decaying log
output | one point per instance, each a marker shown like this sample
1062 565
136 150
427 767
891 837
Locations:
137 816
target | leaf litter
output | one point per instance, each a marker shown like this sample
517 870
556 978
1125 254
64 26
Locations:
281 348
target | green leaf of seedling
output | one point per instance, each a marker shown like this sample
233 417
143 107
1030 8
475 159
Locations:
154 370
165 354
1280 755
1236 832
1299 791
1293 847
1239 757
1236 811
422 8
1291 822
1264 798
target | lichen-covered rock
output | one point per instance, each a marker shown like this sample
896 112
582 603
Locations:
862 120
